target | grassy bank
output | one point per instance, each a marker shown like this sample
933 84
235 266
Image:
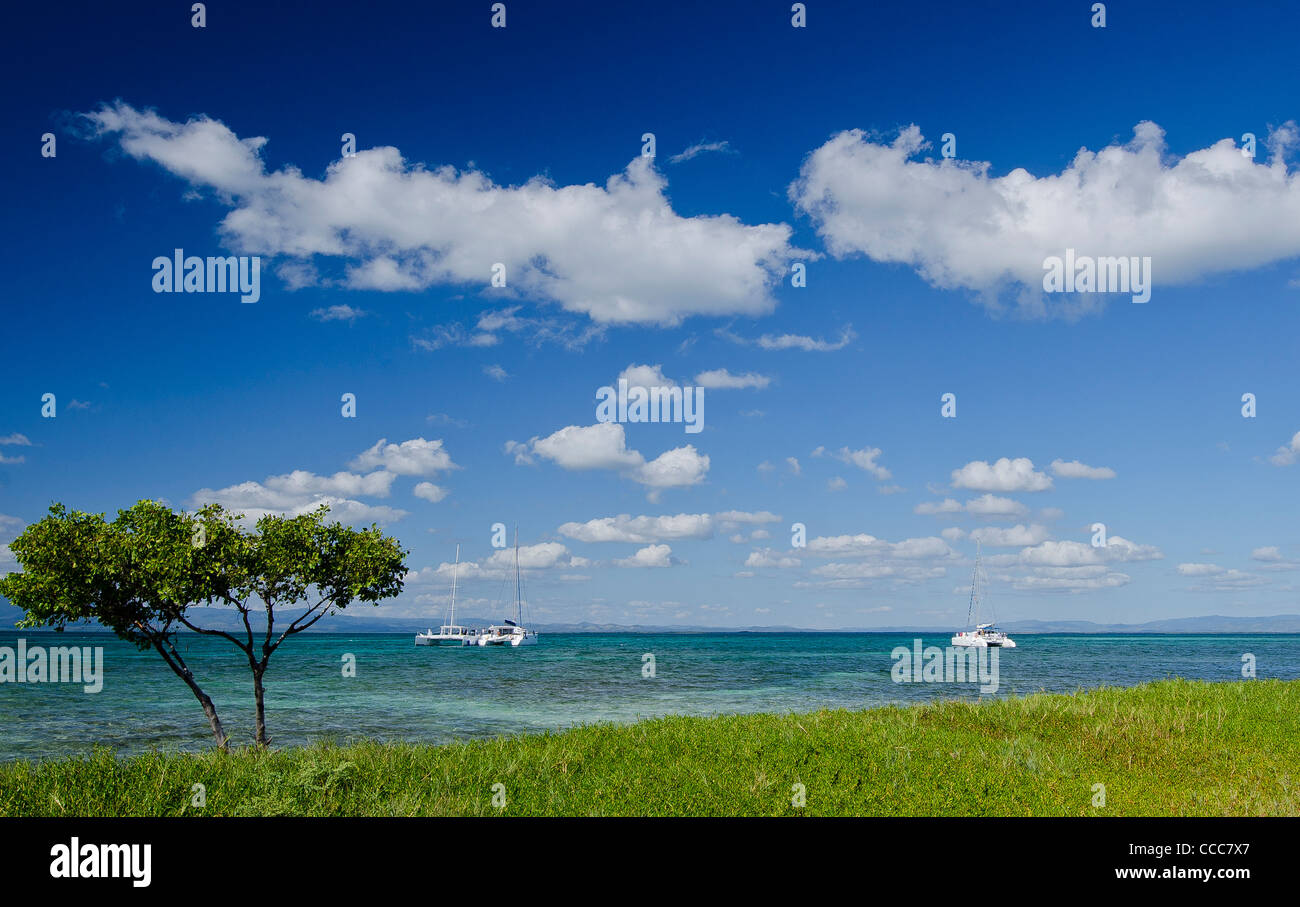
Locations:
1171 748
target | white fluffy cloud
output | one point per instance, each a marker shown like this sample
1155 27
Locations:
416 457
302 491
641 529
1004 475
1213 578
721 379
864 459
16 439
807 344
674 468
794 341
542 556
1200 569
429 492
1208 212
861 575
649 556
501 563
646 376
1272 558
1077 581
293 495
934 508
990 505
771 559
490 325
618 252
1076 470
1013 537
1061 554
1069 566
1077 554
599 446
1288 453
864 545
714 379
699 148
10 526
604 446
906 562
1233 580
1121 549
338 313
730 519
376 484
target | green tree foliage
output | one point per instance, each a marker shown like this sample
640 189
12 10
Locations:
143 574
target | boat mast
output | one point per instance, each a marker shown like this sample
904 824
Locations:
519 607
973 608
452 620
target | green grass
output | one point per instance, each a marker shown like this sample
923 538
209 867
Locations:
1170 748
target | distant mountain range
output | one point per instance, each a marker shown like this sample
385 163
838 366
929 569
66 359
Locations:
225 619
1214 623
1282 623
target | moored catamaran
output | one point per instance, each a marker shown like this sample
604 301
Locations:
450 633
509 632
984 635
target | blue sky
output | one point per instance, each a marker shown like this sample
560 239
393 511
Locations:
923 278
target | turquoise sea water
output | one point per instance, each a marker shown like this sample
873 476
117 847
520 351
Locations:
401 692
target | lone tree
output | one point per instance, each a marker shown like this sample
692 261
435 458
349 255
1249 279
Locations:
143 575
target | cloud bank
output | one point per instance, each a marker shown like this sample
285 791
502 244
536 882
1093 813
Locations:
617 253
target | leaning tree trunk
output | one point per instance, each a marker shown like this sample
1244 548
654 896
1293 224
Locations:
223 742
209 709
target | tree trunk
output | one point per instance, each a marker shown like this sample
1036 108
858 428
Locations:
259 696
184 673
223 742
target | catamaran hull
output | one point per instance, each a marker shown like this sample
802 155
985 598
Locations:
982 636
977 643
512 641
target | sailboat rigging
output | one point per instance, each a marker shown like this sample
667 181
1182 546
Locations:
450 633
509 632
983 635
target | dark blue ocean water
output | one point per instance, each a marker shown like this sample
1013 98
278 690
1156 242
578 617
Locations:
401 692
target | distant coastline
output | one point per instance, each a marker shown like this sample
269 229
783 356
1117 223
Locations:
1189 626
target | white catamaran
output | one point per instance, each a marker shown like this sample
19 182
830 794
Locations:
984 635
449 634
509 632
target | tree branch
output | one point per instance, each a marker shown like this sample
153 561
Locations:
294 628
248 628
223 633
267 648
